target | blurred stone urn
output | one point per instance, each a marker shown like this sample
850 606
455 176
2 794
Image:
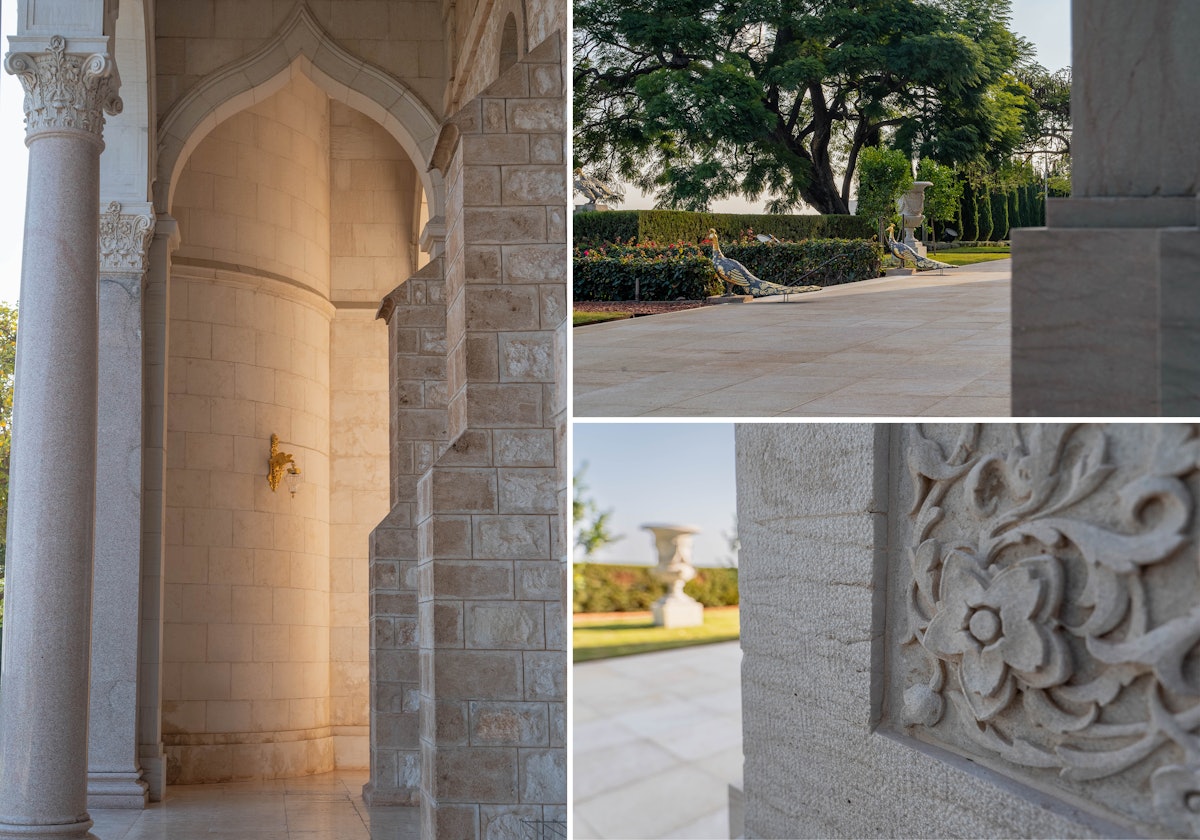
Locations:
674 545
912 211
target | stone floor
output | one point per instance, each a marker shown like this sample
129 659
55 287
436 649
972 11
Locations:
657 740
933 344
324 807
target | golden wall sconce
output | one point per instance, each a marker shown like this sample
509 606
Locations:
278 468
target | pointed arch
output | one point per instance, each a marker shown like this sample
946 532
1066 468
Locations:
301 46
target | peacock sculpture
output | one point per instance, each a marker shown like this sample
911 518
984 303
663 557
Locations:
733 273
905 252
595 190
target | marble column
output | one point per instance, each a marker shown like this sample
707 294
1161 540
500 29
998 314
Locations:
114 773
44 683
1106 310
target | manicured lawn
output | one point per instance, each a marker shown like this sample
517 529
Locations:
970 256
580 318
636 633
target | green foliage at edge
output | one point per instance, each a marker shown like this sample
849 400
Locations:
883 176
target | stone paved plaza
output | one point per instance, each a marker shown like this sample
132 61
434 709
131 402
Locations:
934 344
327 806
657 742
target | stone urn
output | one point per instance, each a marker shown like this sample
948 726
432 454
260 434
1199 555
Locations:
674 546
912 210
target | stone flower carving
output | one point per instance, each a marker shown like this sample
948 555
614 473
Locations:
1053 606
1003 626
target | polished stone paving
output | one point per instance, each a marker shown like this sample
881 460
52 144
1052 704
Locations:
656 742
934 344
328 806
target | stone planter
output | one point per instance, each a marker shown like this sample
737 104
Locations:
674 545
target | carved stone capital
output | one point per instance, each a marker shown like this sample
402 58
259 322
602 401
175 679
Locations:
65 91
124 241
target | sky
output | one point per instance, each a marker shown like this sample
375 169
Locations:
1047 23
660 473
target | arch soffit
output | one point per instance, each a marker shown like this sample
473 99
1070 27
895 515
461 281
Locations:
301 46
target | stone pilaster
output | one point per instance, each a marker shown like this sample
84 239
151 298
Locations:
114 772
492 640
1105 312
415 313
155 306
44 691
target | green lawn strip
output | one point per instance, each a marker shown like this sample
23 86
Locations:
970 256
578 319
637 634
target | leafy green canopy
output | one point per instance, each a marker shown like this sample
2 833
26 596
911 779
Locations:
701 99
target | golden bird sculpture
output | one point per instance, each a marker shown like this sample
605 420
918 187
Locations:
733 273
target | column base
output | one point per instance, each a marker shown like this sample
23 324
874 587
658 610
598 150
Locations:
117 790
54 831
154 773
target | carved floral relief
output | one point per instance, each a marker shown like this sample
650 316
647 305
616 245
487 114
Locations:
124 241
1052 607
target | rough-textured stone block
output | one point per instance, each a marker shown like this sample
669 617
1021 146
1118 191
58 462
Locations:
476 775
494 625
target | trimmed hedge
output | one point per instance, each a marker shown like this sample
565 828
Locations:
603 587
645 226
632 273
619 272
835 261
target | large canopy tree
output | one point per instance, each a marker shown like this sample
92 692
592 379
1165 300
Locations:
702 99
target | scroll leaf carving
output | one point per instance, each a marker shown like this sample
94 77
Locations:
1036 605
124 241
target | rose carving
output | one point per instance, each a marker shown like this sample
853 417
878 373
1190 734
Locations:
1052 607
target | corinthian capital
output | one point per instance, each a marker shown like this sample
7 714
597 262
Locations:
124 241
65 92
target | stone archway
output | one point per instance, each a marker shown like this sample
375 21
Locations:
300 46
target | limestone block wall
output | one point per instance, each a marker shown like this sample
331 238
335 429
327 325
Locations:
255 192
419 434
247 614
491 625
373 193
195 37
246 688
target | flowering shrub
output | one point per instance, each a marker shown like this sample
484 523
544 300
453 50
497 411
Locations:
603 587
650 271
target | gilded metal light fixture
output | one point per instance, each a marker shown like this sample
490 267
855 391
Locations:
278 467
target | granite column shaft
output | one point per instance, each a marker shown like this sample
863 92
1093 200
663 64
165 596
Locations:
44 684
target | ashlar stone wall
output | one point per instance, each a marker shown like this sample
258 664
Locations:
491 632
